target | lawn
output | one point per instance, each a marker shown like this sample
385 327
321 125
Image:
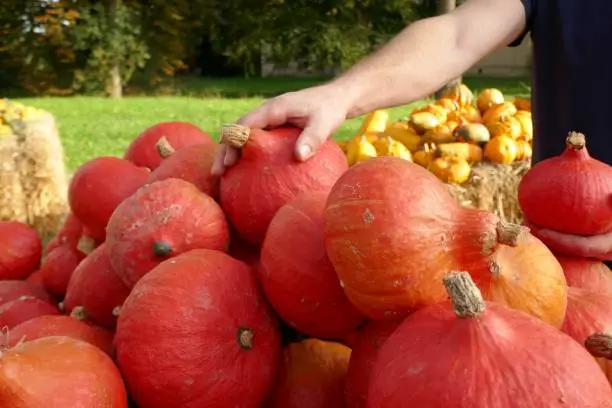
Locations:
95 126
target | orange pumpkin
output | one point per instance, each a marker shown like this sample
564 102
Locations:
488 98
495 113
439 134
505 126
474 133
459 93
448 104
522 103
501 150
523 150
471 114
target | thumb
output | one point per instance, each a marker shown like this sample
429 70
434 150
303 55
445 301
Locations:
315 133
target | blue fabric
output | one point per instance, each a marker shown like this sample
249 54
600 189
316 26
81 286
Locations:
572 74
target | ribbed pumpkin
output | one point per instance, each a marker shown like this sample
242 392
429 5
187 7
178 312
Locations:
20 250
455 355
197 332
297 276
160 221
391 246
268 175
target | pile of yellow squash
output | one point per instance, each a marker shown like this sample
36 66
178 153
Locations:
11 111
449 135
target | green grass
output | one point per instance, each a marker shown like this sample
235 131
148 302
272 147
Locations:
96 126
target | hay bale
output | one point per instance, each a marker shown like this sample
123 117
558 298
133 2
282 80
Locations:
493 187
33 182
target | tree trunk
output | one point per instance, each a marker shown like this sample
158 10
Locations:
443 7
114 87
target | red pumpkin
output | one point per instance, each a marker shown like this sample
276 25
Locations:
363 356
191 163
20 250
191 324
298 278
579 185
473 345
54 325
70 232
24 308
14 289
588 274
58 266
162 220
312 375
98 187
95 290
391 246
142 151
268 176
36 278
60 372
587 313
242 250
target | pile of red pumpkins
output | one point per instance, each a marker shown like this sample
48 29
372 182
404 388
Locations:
287 284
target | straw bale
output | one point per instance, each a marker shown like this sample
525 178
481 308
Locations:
493 187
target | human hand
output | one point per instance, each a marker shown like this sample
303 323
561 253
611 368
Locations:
593 246
318 110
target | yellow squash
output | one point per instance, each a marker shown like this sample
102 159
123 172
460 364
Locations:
488 98
501 150
439 134
359 149
467 151
423 121
425 156
387 146
523 150
403 133
453 170
374 122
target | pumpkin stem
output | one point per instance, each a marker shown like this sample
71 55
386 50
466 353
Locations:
162 249
116 311
509 234
234 135
164 148
245 338
575 141
79 313
86 244
61 306
465 295
599 345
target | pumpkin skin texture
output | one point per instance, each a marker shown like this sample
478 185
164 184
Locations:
191 324
587 313
494 357
36 278
98 187
159 221
142 151
363 356
21 250
191 163
95 291
59 372
69 233
391 246
579 185
57 268
297 277
268 175
59 325
23 309
589 274
14 289
312 375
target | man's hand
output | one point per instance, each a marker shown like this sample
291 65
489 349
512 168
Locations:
594 246
318 110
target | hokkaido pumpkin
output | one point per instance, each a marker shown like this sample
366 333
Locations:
363 356
24 308
575 182
143 153
36 278
501 150
488 98
95 291
589 274
589 312
472 344
60 372
297 277
197 332
98 187
57 268
69 233
312 375
474 133
162 220
57 325
422 232
191 163
20 250
268 175
14 289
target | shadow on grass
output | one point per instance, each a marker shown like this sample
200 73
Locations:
237 88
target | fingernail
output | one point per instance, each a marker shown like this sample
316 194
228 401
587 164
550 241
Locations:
305 151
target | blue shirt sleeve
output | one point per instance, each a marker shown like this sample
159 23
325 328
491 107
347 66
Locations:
530 8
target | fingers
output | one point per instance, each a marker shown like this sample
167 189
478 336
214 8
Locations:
312 137
596 246
218 167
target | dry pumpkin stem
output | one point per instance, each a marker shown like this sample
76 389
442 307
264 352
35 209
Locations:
599 345
164 148
245 338
116 311
61 307
86 245
464 294
509 233
234 135
79 313
162 249
575 141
